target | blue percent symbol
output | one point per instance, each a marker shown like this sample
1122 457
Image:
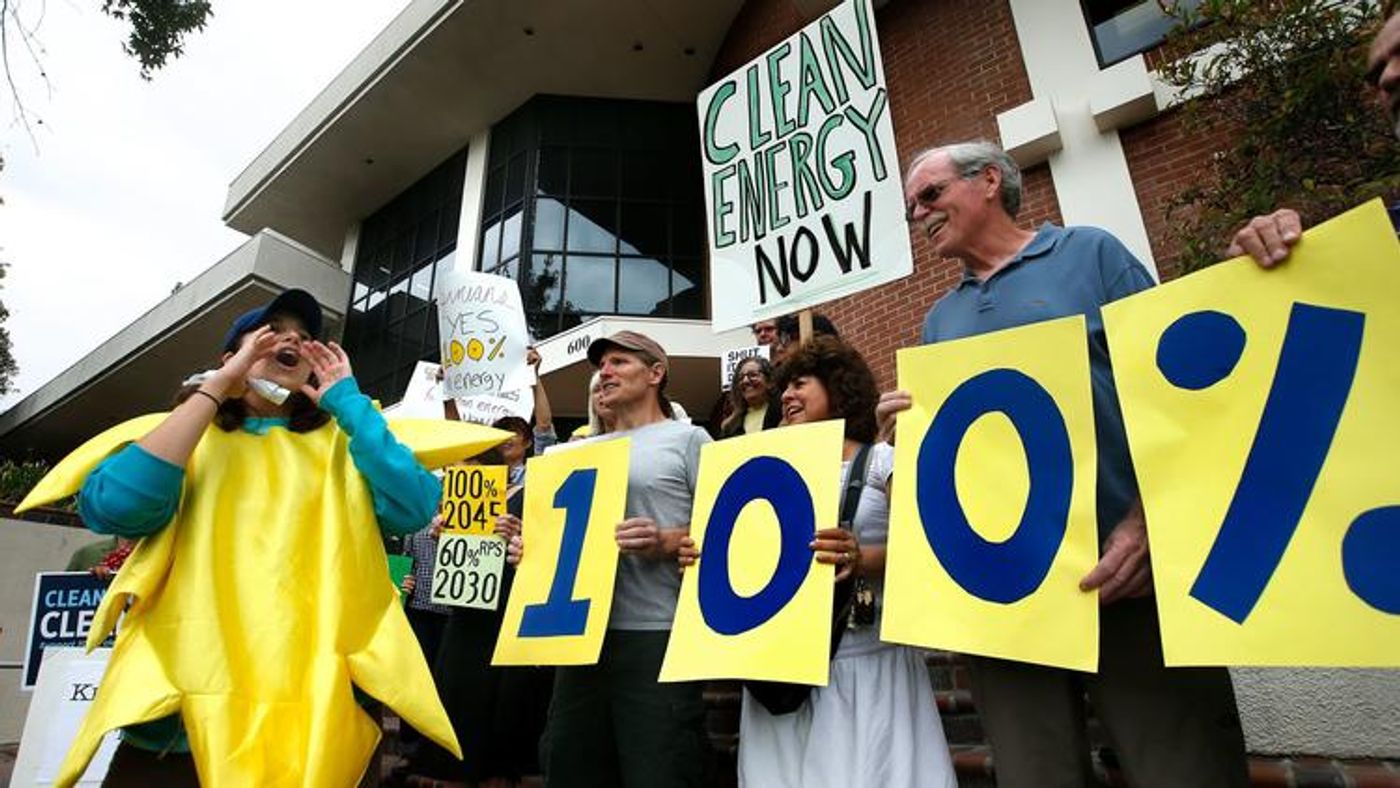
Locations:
1316 367
1008 571
560 614
759 479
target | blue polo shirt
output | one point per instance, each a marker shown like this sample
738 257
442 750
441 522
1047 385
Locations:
1061 272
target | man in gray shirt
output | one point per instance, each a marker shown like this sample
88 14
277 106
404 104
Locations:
612 723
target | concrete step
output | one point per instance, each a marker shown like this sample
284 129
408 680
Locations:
975 767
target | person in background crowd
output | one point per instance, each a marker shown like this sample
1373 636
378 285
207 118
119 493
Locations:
90 555
518 449
876 722
1269 238
790 334
1168 727
753 400
497 713
613 723
765 332
112 562
429 621
598 417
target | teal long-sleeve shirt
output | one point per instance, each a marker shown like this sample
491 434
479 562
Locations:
133 493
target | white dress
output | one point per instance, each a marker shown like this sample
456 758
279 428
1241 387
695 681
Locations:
876 722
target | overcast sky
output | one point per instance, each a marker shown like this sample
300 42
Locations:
118 197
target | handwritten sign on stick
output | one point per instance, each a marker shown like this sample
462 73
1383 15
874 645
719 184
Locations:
481 323
801 174
468 570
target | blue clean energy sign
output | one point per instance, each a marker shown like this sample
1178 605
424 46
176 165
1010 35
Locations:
65 604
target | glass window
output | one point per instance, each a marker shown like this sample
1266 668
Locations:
648 287
491 246
515 181
495 190
593 173
591 285
590 226
644 229
554 171
687 288
1123 28
542 282
421 285
391 322
549 223
644 175
615 186
510 235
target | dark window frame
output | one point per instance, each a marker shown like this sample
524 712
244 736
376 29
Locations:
1140 47
388 328
562 133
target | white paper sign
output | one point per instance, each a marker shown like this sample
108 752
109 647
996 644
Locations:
468 570
422 399
487 409
732 358
68 681
802 183
481 325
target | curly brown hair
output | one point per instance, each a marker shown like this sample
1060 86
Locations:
849 383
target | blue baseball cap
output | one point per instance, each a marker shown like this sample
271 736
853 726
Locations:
297 303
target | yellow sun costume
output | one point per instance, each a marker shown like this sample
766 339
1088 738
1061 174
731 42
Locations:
261 606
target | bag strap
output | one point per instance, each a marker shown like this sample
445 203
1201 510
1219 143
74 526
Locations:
855 481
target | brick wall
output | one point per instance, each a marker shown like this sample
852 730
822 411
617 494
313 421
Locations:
1164 159
951 66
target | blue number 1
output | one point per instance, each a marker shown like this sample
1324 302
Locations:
561 614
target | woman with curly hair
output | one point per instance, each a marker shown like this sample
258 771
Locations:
753 402
875 723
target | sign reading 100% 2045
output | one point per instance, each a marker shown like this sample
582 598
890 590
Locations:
470 557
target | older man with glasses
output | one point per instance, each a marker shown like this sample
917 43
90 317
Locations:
1169 727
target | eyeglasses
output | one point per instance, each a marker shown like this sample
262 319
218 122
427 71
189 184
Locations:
751 374
927 196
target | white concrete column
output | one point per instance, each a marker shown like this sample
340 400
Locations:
473 192
1087 164
350 248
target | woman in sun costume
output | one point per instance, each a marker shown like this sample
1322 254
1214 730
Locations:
259 599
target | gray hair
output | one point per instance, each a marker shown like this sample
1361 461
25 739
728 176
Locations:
970 158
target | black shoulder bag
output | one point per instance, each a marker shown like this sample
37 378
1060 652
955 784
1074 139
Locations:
782 697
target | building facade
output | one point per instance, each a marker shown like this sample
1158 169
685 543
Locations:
556 143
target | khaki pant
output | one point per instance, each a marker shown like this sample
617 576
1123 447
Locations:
1170 728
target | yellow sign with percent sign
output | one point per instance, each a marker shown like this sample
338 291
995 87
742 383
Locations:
1261 411
473 496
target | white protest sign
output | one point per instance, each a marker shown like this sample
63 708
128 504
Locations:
802 182
422 398
468 570
68 681
733 357
481 326
487 408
